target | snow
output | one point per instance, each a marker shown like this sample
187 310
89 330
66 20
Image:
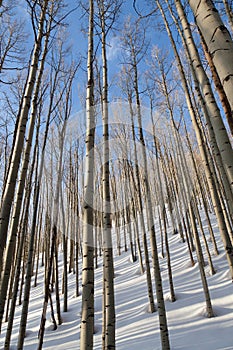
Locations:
136 328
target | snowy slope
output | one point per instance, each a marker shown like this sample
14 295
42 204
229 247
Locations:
137 329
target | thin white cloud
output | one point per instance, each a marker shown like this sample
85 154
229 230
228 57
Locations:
113 48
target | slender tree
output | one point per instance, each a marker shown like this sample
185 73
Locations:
223 149
133 45
21 186
87 317
108 10
9 188
218 41
212 186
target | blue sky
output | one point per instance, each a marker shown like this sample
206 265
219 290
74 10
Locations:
76 25
114 53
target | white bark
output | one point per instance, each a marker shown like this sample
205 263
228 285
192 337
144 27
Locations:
164 335
229 13
87 318
20 190
217 205
187 186
109 314
19 142
218 41
222 150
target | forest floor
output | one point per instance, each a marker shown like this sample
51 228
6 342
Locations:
136 328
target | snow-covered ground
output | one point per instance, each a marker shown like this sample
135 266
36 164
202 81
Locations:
137 329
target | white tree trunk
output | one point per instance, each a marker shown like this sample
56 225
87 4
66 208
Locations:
20 190
87 318
223 150
9 189
109 336
218 41
229 13
217 205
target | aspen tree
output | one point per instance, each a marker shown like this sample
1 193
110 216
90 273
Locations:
137 187
223 150
218 85
38 246
21 246
128 194
218 41
172 292
9 188
87 317
158 281
22 233
130 177
107 13
187 187
116 209
229 13
53 255
64 241
158 63
77 228
165 91
133 45
182 200
194 203
55 97
139 202
20 189
200 185
134 196
212 186
64 113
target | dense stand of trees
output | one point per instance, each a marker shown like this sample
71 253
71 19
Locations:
93 184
